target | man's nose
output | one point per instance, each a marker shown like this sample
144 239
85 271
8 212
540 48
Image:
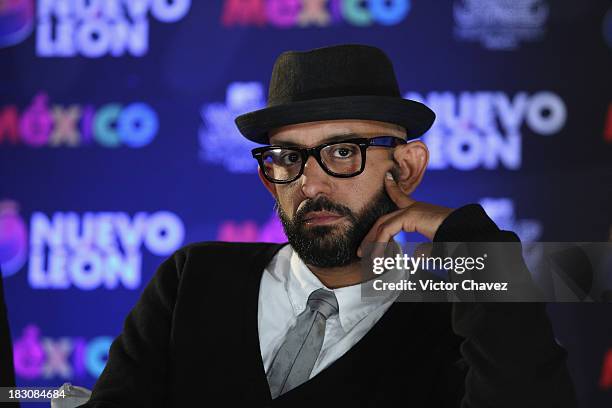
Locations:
314 180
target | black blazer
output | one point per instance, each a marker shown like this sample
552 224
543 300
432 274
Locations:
192 338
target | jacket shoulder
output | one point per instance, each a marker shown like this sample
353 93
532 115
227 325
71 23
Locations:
234 255
226 248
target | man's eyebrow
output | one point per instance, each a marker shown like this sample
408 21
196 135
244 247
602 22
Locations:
329 139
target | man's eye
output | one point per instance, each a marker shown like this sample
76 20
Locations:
289 158
343 152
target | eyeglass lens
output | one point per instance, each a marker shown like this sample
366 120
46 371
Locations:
285 163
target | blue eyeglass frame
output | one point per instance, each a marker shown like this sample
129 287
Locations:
305 152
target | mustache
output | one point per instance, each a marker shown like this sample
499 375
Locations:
322 204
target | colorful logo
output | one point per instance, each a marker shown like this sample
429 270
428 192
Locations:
220 140
318 13
248 231
66 358
13 238
500 24
16 21
87 251
483 129
94 29
112 125
97 250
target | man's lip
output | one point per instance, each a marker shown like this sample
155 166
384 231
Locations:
321 217
318 214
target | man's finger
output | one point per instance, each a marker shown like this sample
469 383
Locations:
368 239
395 192
401 222
383 230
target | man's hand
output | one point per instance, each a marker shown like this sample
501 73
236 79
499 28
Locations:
412 216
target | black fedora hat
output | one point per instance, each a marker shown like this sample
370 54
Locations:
340 82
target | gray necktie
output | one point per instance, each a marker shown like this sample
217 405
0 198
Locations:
299 352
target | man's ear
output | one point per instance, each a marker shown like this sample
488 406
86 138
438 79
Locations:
412 159
271 187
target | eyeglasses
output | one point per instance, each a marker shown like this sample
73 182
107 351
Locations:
346 158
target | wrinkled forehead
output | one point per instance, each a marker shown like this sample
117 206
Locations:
315 133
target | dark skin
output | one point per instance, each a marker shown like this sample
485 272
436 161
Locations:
410 161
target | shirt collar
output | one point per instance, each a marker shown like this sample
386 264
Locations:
352 306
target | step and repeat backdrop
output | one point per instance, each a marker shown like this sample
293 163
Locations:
118 146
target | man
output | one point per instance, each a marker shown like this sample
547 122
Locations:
252 324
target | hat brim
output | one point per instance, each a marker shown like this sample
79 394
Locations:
414 116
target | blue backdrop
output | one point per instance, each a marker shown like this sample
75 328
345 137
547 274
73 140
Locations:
117 144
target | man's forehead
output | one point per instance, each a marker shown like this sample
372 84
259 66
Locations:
310 133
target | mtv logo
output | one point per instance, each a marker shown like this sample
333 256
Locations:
220 140
500 24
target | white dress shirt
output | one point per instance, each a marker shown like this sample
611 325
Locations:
286 284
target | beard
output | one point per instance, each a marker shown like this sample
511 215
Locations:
328 246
